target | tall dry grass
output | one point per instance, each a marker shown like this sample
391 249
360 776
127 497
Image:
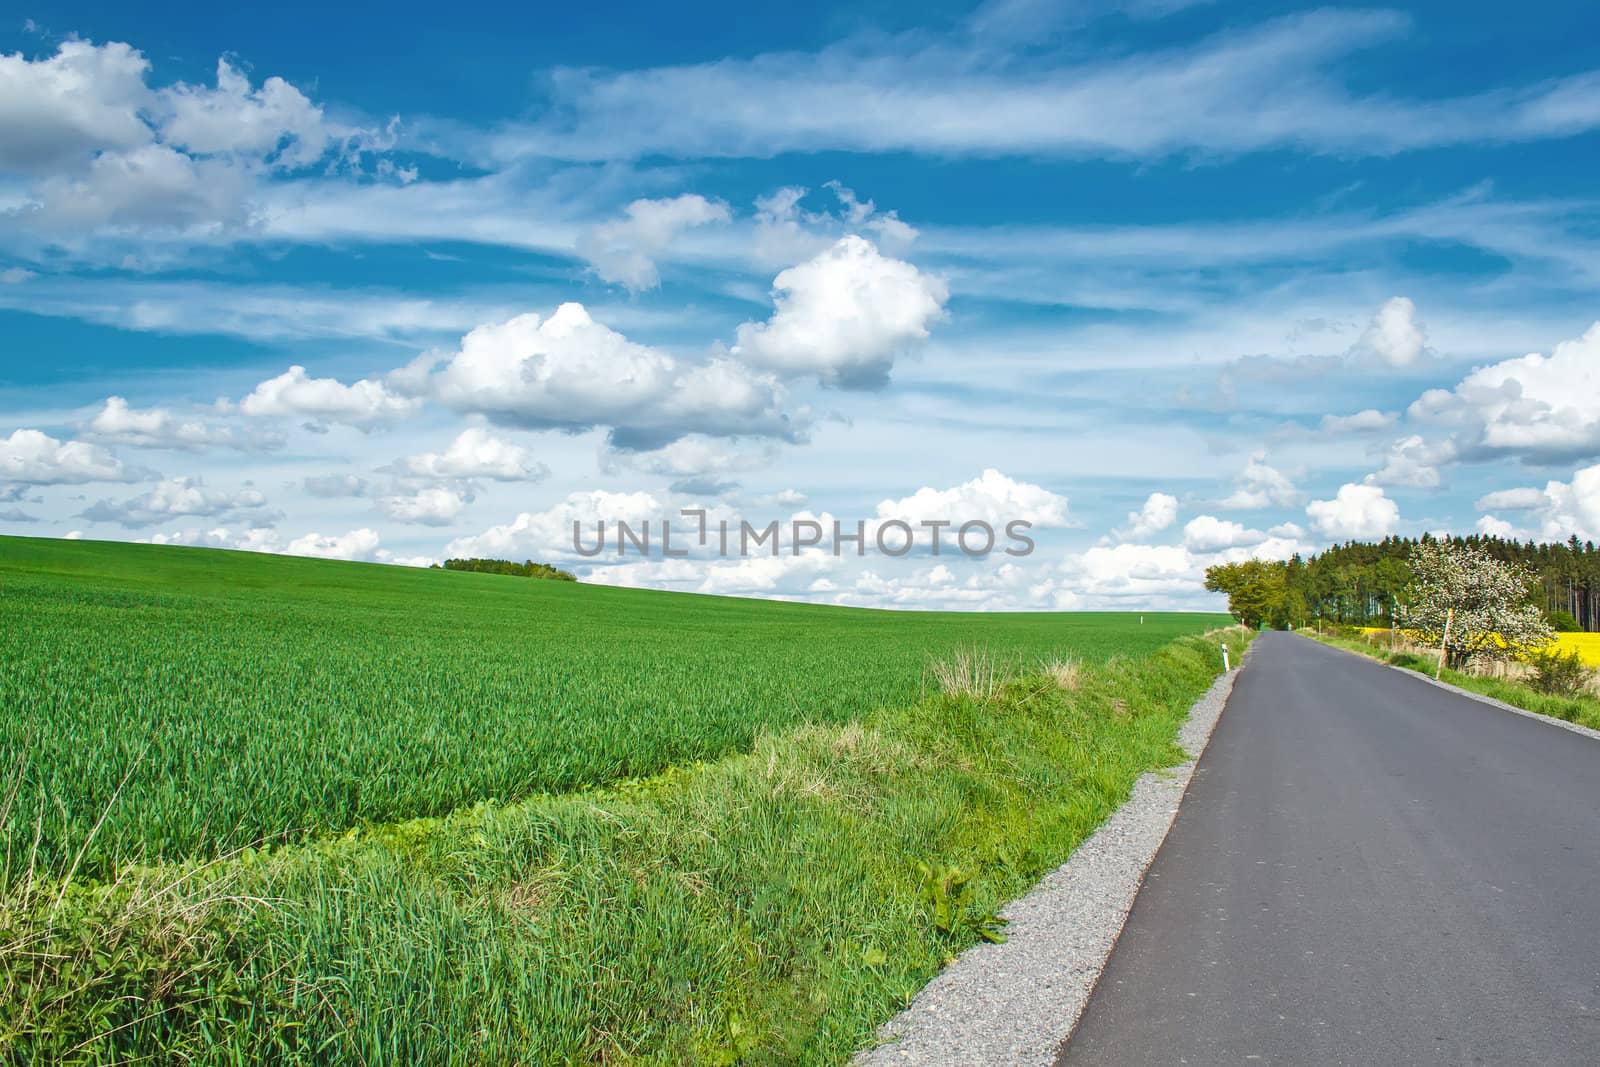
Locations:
971 672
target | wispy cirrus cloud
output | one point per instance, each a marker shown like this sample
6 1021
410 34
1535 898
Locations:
1272 85
287 313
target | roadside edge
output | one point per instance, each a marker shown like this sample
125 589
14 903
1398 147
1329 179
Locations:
1018 1002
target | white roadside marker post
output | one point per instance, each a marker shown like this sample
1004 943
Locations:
1225 667
1444 642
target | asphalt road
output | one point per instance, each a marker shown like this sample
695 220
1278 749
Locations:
1366 869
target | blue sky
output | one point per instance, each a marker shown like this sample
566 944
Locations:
1176 282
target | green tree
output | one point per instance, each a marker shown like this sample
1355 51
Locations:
526 569
1255 589
1295 610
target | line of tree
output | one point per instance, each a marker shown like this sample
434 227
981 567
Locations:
1366 584
525 569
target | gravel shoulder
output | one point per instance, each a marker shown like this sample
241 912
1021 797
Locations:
1017 1002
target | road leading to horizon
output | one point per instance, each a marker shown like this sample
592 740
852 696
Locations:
1366 869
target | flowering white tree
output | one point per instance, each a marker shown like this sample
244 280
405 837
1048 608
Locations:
1485 600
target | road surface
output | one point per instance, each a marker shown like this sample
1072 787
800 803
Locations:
1366 869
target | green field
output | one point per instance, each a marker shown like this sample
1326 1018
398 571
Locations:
242 696
518 821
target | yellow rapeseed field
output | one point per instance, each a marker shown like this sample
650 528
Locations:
1587 645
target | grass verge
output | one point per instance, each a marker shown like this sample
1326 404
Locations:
771 907
1582 709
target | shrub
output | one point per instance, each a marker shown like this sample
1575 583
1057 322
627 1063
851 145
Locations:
1558 675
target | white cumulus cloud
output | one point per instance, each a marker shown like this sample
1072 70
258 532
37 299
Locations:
362 404
432 506
1561 509
1534 407
1140 574
359 544
991 497
275 123
844 316
697 457
101 149
477 453
1414 461
32 457
573 373
548 534
1259 486
1207 533
150 186
1159 511
1493 526
84 99
1356 512
1574 507
1395 336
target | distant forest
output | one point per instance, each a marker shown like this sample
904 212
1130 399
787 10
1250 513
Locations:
1359 583
525 569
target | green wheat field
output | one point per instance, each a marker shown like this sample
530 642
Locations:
310 811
